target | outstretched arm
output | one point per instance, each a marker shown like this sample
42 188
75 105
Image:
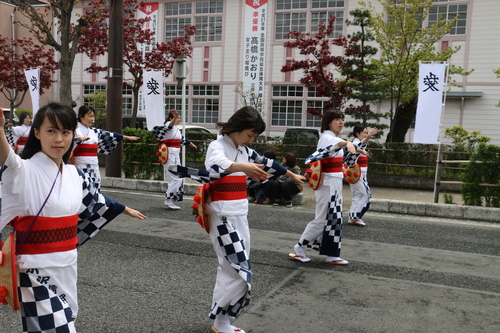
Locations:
4 144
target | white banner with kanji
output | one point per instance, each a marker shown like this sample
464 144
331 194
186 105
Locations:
147 10
255 49
153 92
431 82
33 79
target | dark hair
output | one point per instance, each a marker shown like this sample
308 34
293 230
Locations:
83 110
291 160
357 129
53 111
330 116
270 154
170 116
245 118
23 115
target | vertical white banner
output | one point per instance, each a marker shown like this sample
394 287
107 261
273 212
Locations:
147 10
255 48
431 81
154 95
33 79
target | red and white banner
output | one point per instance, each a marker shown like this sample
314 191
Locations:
255 48
33 79
153 92
431 81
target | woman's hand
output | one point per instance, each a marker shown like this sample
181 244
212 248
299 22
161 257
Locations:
193 145
131 138
134 213
350 147
298 178
252 170
82 138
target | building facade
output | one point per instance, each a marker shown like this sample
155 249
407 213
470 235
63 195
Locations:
238 39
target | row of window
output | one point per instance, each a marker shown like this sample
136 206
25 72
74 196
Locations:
288 103
290 15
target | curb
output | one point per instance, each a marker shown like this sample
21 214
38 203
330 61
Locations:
484 214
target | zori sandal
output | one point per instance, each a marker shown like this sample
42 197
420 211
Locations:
298 257
235 329
338 262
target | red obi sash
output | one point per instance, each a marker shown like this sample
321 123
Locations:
85 150
175 143
229 188
22 141
48 234
332 164
362 161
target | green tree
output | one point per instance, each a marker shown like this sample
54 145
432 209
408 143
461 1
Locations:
404 40
361 73
464 140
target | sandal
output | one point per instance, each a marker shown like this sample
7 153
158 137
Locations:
298 257
235 329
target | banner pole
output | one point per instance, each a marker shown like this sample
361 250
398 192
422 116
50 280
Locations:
437 179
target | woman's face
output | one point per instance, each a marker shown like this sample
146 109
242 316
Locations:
54 142
244 137
361 135
336 125
88 119
283 160
27 121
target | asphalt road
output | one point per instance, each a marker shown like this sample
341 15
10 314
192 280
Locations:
406 274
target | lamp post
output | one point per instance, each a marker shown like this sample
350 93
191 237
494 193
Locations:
115 85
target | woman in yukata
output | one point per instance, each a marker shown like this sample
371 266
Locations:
54 208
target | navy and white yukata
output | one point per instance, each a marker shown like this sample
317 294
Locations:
17 137
173 138
85 152
48 280
360 191
227 211
324 233
229 229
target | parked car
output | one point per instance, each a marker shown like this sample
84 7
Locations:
301 132
195 128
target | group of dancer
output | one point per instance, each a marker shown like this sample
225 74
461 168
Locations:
42 187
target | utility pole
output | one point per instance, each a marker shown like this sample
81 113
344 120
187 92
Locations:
115 85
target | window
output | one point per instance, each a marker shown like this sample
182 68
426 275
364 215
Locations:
449 12
290 103
206 15
205 108
312 120
305 16
174 99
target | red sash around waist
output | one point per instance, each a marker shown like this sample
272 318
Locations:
332 164
48 234
85 150
229 188
175 143
362 161
22 141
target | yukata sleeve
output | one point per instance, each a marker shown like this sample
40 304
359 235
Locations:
96 210
350 158
216 158
185 141
107 141
161 133
325 152
10 138
272 167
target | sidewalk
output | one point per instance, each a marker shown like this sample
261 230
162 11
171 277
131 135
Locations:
386 200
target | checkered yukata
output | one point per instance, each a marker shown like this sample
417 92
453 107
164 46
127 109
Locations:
47 285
